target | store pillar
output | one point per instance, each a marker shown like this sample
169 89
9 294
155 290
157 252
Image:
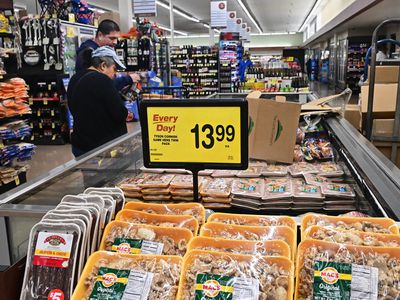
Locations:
126 14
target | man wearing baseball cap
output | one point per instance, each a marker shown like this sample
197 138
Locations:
97 108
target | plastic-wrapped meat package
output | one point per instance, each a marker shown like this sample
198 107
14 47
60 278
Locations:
116 193
109 275
140 217
277 188
156 181
265 248
274 171
224 173
51 261
315 179
253 220
252 171
305 191
206 274
130 238
301 168
373 225
338 190
329 169
253 233
192 209
251 188
220 187
351 237
326 270
298 155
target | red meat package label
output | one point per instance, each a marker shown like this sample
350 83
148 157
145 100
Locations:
53 249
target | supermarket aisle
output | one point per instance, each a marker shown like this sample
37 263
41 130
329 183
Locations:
50 157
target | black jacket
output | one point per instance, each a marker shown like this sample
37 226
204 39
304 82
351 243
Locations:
97 108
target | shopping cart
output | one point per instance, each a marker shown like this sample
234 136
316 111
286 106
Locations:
164 92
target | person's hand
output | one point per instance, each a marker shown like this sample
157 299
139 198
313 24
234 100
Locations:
135 77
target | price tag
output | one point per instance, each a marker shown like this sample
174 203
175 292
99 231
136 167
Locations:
30 101
17 182
201 133
52 113
45 102
38 113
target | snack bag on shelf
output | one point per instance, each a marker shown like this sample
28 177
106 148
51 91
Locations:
125 276
238 275
131 238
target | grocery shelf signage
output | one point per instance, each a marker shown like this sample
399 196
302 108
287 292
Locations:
144 8
218 14
197 134
230 22
239 22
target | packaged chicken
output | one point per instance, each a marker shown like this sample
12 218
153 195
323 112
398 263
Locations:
110 275
253 233
374 225
249 188
224 173
329 169
301 168
182 182
315 179
350 237
132 184
326 270
265 248
277 188
252 171
338 190
141 217
274 171
305 191
123 237
156 181
219 187
221 275
253 220
192 209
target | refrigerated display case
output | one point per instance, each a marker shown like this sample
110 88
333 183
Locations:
376 179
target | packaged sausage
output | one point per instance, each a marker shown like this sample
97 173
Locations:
123 237
110 275
251 188
253 220
51 261
277 188
350 237
373 225
274 171
326 270
329 169
219 187
302 190
341 190
252 171
208 274
301 168
265 248
253 233
141 217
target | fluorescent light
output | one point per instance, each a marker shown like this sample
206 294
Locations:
206 26
249 15
310 15
270 33
178 12
217 31
169 30
193 36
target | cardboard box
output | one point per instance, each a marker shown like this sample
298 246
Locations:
385 74
384 127
110 16
353 115
272 128
385 96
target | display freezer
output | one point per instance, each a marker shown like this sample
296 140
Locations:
377 183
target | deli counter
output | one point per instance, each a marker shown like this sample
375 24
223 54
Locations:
376 181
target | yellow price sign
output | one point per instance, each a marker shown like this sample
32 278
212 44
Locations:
206 133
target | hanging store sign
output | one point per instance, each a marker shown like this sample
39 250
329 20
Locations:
243 31
239 22
144 8
195 134
230 22
218 14
248 34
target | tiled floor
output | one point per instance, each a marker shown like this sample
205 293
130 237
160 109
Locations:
50 157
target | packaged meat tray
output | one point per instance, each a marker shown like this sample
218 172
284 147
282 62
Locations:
140 217
51 261
326 270
156 181
274 170
301 168
219 187
123 237
339 190
192 209
182 182
252 171
109 275
277 188
305 191
225 200
154 191
132 184
216 205
251 188
253 233
374 225
265 248
224 173
315 179
253 220
207 274
349 237
329 169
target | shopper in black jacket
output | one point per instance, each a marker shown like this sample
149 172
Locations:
97 108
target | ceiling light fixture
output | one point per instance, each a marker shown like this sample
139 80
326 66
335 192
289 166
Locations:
310 14
206 26
169 30
178 12
249 15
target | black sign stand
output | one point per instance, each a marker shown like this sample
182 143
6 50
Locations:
195 167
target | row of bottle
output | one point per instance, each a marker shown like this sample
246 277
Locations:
261 73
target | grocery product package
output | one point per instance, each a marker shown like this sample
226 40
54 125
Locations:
206 274
251 188
140 217
131 238
265 248
326 270
374 225
253 233
192 209
124 276
51 260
